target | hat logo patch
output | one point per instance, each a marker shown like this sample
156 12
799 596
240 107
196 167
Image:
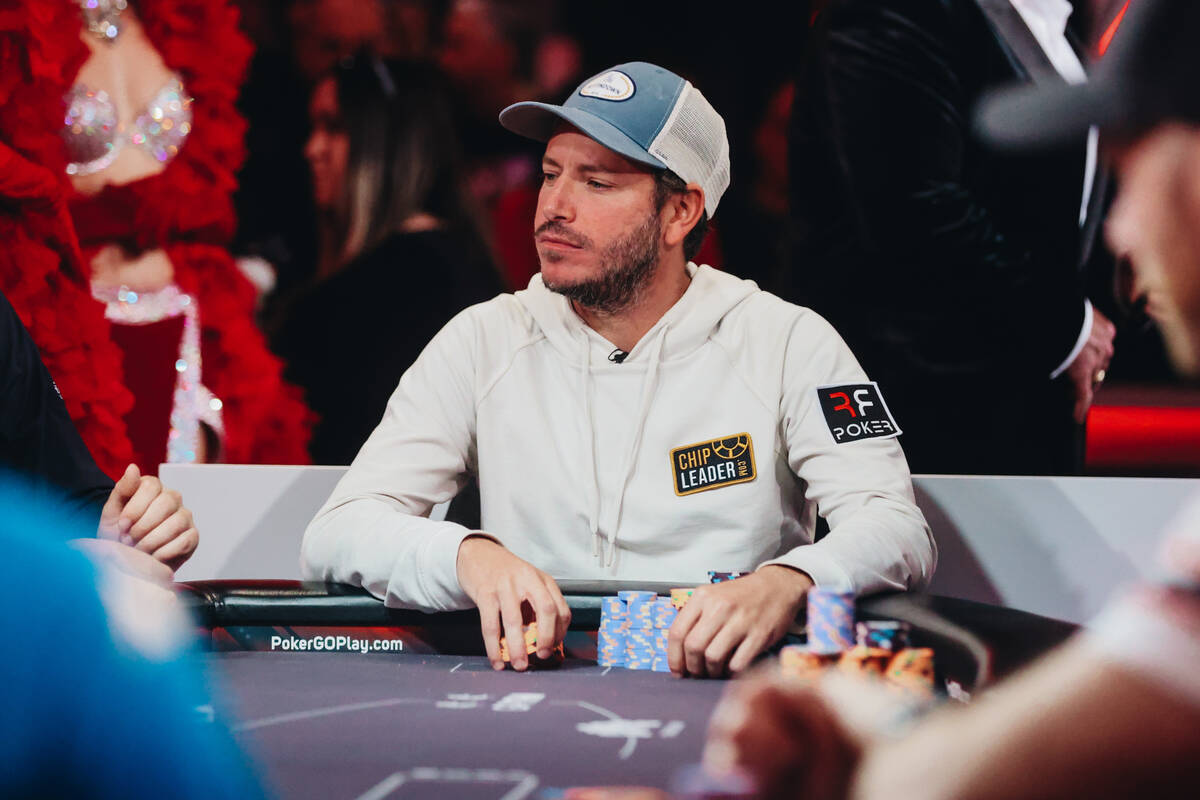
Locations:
612 85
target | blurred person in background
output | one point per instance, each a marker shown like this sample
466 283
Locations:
1115 713
496 52
296 43
957 274
101 699
401 249
118 147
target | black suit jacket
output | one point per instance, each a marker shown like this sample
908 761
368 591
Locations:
954 271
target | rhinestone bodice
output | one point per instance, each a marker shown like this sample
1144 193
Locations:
95 137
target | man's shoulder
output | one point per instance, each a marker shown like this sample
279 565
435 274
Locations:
763 314
499 323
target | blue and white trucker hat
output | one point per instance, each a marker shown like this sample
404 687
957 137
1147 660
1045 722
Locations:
647 114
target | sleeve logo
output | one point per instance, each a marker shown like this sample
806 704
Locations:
856 411
713 464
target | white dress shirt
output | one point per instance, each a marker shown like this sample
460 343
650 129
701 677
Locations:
1047 21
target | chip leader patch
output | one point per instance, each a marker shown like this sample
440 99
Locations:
713 464
856 411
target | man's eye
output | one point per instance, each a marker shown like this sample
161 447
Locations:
548 177
598 185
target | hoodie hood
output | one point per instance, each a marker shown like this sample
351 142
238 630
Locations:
686 326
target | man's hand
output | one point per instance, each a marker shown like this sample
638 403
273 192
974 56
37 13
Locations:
1086 372
727 624
783 737
144 515
500 584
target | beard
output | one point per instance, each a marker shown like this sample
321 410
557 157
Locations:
626 267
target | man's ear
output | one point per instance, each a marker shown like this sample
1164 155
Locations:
682 212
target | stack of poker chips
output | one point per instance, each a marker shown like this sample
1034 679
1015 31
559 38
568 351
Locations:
633 630
883 635
530 633
830 621
610 639
874 649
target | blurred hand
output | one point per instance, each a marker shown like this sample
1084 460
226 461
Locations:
144 515
125 559
615 793
725 625
1095 356
499 583
782 737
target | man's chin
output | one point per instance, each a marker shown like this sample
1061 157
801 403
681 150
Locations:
558 276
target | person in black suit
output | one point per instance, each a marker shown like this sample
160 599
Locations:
955 273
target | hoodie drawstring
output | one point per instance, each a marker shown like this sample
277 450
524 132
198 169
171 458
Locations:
649 385
590 441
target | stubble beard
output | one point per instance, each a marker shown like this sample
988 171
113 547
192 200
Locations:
627 266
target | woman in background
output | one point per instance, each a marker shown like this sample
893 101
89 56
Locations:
119 142
401 250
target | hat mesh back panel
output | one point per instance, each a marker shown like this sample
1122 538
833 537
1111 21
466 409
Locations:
694 146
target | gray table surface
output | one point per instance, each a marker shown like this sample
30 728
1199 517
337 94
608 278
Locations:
403 726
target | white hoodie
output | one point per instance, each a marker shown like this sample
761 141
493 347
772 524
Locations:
575 463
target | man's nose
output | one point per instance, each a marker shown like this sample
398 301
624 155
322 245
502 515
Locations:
556 201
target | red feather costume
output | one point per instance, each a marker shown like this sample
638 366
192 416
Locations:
186 210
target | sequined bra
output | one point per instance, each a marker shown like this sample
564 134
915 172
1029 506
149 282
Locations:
95 138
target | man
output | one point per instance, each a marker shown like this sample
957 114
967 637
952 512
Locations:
956 273
630 415
1115 713
137 523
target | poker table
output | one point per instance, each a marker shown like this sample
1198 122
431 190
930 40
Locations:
340 697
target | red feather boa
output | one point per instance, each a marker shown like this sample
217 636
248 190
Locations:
187 209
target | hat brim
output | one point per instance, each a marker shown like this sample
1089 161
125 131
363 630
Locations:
1043 116
538 121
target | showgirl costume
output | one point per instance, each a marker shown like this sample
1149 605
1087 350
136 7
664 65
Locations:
150 408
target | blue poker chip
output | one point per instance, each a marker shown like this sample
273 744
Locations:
661 665
630 596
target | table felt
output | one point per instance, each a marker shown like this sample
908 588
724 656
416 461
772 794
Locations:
406 726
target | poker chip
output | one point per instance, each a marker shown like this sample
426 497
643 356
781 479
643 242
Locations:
801 663
719 577
633 629
911 670
530 634
864 660
679 598
830 621
664 612
883 635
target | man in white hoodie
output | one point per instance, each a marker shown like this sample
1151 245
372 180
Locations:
630 415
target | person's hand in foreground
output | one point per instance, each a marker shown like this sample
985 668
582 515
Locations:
782 737
501 584
724 626
150 518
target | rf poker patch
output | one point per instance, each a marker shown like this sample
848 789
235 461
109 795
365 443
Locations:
713 464
856 411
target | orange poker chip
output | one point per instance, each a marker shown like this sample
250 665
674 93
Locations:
865 660
912 670
530 633
679 597
796 661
